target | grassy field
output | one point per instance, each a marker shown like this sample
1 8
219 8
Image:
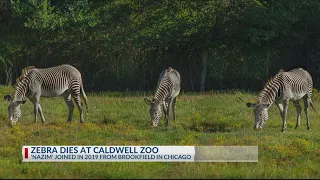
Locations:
208 119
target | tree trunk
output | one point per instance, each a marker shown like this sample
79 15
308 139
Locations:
268 61
9 76
204 65
191 77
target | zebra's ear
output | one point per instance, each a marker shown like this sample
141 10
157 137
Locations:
148 102
7 97
251 104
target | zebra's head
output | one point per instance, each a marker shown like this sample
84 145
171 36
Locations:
14 110
155 110
260 114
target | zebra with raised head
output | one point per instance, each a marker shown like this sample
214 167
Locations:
34 83
166 94
283 87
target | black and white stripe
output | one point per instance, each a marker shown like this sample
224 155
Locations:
285 86
164 89
63 80
167 91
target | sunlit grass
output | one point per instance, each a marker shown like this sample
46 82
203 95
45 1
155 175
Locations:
212 118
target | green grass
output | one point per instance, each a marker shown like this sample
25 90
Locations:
210 119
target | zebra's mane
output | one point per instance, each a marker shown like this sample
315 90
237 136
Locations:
296 69
269 81
24 73
272 78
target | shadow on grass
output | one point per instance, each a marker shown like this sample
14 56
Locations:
107 120
206 127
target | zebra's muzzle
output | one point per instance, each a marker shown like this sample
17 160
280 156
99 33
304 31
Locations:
257 127
154 124
11 123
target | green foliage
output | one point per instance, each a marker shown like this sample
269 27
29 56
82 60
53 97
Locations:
125 44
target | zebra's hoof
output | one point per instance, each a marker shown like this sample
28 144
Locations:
309 129
296 127
283 130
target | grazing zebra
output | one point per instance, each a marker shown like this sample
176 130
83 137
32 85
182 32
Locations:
34 83
166 94
285 86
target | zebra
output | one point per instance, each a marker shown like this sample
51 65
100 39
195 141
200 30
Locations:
63 80
166 94
283 87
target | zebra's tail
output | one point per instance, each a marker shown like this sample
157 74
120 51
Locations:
84 97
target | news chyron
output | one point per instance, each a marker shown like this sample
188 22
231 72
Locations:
140 154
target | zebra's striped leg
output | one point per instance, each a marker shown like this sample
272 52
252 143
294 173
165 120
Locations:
298 109
37 108
168 110
80 111
36 104
174 108
68 100
164 107
285 109
75 93
306 105
78 102
280 106
35 111
41 114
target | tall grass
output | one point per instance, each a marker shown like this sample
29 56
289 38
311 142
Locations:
114 118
